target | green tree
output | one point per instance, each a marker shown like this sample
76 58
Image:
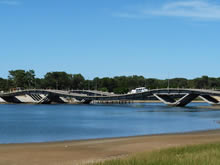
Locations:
77 81
121 90
202 82
18 77
30 78
57 80
22 78
178 83
3 84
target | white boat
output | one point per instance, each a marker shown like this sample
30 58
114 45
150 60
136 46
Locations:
138 90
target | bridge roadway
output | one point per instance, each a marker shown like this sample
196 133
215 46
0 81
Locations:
42 96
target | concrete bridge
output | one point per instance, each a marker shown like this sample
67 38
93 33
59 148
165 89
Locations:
167 96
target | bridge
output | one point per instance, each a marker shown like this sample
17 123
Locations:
167 96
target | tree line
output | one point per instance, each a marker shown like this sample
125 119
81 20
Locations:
120 84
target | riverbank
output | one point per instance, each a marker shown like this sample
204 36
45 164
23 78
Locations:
158 101
75 152
215 107
112 102
201 154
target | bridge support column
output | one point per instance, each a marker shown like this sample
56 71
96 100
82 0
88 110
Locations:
209 99
186 99
45 100
86 101
39 99
166 99
55 99
2 100
11 99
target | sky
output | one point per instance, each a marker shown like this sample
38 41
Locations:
107 38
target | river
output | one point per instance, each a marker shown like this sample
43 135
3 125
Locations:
48 123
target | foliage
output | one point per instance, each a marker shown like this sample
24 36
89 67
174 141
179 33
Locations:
57 80
77 81
22 78
3 84
119 84
208 154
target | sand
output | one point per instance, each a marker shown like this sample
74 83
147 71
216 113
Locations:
77 152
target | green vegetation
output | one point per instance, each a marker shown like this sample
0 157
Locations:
119 84
208 154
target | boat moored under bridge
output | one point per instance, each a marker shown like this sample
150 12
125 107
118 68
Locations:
172 97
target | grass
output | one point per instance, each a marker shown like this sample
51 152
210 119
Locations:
208 154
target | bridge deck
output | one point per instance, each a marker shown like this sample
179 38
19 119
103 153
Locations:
88 96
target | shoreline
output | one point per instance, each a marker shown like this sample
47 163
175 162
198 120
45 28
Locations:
132 101
115 138
84 151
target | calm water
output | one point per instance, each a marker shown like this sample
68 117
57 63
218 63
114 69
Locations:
43 123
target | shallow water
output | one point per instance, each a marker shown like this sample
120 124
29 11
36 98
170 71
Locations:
47 123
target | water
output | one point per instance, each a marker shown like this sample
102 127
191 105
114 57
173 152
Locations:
47 123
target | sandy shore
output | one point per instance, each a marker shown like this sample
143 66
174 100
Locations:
76 152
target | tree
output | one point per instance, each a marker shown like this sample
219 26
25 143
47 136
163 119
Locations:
22 78
106 84
77 81
178 83
57 80
95 83
3 84
18 78
39 83
121 90
30 78
118 84
202 82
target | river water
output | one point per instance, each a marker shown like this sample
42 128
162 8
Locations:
48 123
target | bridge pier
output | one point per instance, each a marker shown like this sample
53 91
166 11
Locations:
209 99
166 99
86 101
188 98
11 99
54 99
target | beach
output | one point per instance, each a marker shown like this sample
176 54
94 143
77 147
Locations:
87 151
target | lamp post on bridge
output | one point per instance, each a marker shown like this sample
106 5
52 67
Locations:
168 84
57 85
88 84
168 81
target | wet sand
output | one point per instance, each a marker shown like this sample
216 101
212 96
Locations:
77 152
215 107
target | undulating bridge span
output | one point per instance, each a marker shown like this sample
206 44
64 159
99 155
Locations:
167 96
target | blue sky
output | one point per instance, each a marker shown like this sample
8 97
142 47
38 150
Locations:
160 39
